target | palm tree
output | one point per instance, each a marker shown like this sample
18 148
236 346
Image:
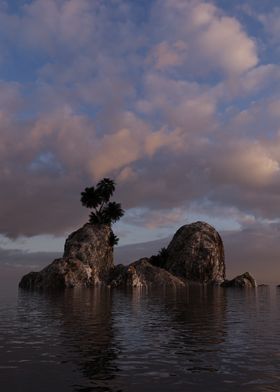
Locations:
103 211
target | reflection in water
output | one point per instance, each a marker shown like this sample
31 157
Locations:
85 333
100 340
88 330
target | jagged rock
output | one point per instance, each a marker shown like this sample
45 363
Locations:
243 281
87 261
143 274
196 253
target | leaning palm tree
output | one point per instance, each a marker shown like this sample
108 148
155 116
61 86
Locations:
103 211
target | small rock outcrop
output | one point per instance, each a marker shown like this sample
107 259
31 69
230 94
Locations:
242 281
196 253
86 262
142 273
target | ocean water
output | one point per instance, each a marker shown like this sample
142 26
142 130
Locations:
199 339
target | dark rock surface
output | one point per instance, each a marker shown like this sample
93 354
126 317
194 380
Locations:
91 245
243 281
196 253
142 273
87 261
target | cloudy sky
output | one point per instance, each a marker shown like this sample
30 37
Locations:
177 100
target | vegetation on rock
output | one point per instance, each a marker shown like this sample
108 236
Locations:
160 259
103 211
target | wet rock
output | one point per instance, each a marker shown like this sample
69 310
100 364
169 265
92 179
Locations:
196 253
243 281
142 273
86 262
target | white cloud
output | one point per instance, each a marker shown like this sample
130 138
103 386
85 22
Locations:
247 163
133 142
210 37
168 55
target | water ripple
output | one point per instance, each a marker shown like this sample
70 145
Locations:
100 340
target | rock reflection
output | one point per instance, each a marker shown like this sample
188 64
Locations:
135 340
88 330
197 320
85 333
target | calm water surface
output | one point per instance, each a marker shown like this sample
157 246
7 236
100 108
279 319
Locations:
101 340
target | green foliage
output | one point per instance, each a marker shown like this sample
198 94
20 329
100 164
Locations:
160 259
113 212
103 211
113 239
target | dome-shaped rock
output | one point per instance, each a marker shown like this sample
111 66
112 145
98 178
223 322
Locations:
196 253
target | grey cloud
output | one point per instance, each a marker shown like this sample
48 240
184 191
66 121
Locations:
19 258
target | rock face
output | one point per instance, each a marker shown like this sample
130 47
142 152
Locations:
196 253
143 274
91 245
87 261
243 281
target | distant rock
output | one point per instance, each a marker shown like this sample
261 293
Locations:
243 281
142 273
196 253
86 262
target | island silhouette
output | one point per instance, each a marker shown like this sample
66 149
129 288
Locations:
195 255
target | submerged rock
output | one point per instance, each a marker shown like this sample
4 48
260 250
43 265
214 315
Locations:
142 273
242 281
196 253
86 262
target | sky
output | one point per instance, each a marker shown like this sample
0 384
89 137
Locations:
177 100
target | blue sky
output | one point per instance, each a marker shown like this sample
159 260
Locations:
178 101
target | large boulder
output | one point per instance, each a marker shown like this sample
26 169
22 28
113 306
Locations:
87 261
142 273
196 253
91 245
241 281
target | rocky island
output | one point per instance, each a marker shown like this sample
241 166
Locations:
195 255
